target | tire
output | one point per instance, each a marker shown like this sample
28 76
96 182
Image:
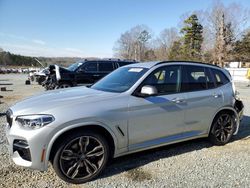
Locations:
222 129
63 85
81 157
27 82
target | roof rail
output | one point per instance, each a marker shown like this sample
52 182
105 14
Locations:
196 62
118 59
130 60
111 59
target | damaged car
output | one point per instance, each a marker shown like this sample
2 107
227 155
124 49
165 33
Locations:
81 72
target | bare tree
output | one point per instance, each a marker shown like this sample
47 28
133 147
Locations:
124 45
133 43
225 25
165 42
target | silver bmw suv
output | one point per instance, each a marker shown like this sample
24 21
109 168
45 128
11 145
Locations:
134 108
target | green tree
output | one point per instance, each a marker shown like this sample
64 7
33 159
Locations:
242 48
192 38
176 51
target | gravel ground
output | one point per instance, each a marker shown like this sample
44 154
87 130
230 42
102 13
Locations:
190 164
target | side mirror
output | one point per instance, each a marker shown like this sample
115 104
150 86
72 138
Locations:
148 90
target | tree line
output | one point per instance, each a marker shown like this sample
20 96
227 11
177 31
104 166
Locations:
217 35
10 59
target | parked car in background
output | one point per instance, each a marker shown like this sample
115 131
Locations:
134 108
82 72
39 76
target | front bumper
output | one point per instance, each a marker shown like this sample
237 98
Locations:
27 148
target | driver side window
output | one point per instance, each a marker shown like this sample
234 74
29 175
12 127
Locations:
88 67
165 79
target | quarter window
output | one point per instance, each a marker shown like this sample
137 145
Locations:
219 77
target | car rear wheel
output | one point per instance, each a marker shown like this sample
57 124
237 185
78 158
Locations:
222 129
81 157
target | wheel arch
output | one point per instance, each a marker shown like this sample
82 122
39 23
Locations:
55 140
226 109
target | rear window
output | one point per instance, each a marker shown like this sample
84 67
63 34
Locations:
219 77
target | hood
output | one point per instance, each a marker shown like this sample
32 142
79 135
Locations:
47 101
59 71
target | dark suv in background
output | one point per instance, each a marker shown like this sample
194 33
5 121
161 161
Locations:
82 72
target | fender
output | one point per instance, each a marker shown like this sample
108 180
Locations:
70 127
235 113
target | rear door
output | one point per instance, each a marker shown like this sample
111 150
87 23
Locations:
224 86
203 98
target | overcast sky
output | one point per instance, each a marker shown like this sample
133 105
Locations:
85 28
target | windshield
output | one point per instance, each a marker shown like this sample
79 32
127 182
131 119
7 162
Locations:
74 66
120 80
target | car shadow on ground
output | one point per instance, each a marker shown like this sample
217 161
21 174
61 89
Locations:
134 161
244 130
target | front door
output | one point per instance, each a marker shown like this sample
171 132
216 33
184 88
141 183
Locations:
87 73
157 119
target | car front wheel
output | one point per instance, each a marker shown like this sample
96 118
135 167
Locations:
81 157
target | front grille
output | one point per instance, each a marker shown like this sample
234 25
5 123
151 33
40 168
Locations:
9 117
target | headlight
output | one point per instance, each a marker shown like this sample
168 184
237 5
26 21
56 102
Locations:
34 121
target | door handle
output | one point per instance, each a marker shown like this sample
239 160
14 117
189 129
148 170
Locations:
216 95
96 75
178 100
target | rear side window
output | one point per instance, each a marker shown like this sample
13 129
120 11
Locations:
219 77
106 66
196 78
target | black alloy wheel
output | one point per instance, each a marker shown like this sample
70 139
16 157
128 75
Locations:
222 129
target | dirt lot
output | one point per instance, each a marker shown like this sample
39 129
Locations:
190 164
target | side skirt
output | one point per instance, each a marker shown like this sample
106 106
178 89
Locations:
160 142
